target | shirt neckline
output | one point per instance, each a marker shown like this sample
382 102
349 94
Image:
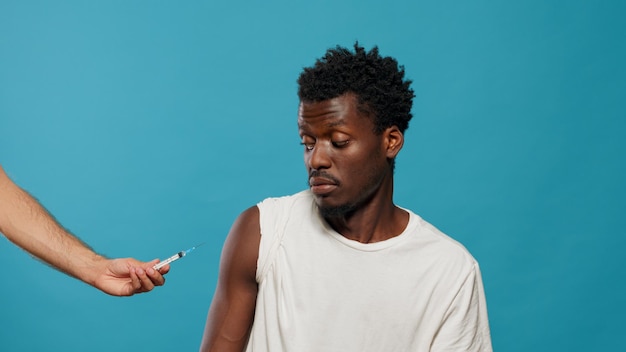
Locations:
376 246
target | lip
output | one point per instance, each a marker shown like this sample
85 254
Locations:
321 186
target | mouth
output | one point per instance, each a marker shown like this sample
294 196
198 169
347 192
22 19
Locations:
321 186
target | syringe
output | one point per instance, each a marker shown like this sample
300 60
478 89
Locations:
175 257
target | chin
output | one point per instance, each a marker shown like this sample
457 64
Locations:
334 211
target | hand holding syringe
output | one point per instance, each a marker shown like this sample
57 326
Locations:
175 257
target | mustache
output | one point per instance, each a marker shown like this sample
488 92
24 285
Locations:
324 175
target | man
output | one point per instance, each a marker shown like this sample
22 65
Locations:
27 224
339 267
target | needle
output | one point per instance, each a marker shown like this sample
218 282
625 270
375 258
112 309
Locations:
175 257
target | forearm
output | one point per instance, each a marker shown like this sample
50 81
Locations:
27 224
228 324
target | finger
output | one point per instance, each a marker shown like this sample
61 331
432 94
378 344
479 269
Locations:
146 283
155 276
162 270
153 262
135 281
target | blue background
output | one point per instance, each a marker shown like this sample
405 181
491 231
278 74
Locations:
145 127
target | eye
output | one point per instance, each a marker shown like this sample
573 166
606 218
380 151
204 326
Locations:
307 146
341 144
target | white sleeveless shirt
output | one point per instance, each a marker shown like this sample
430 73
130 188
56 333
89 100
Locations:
318 291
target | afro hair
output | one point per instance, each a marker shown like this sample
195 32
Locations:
378 83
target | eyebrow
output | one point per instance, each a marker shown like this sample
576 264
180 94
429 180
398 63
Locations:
329 124
336 123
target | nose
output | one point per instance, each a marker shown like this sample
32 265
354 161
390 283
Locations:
318 158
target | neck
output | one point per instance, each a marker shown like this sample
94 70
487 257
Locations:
376 220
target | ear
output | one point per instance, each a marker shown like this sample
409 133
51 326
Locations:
393 141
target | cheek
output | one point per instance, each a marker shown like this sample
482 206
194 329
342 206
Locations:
355 166
366 165
365 157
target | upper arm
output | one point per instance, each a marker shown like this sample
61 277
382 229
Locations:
232 310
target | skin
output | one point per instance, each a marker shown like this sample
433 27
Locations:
350 171
355 200
28 225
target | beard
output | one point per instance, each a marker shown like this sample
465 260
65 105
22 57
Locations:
331 211
374 178
336 211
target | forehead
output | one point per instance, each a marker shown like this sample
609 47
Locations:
339 111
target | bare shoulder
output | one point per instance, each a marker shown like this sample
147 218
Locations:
232 310
241 248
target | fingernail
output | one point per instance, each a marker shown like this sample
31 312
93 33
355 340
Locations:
139 271
150 271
